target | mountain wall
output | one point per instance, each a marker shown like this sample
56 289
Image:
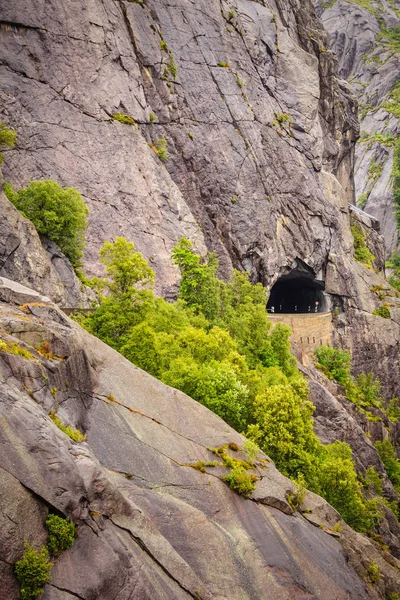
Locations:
259 132
149 524
365 39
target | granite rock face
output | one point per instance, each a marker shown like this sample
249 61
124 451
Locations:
371 64
259 130
251 117
149 525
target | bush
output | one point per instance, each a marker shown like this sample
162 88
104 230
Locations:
61 534
382 311
334 363
8 137
374 573
57 213
361 251
32 572
241 481
161 149
392 463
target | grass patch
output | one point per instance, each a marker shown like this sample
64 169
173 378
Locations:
16 349
126 119
74 434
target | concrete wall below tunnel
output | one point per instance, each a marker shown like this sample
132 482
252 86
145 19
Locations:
309 330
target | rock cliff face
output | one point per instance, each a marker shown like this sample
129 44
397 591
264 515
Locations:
260 136
364 37
149 525
259 130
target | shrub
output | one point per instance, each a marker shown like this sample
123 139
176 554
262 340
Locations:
361 252
334 363
393 410
241 481
61 534
126 119
13 348
8 137
374 479
392 463
58 213
382 311
74 434
374 573
161 148
32 572
223 64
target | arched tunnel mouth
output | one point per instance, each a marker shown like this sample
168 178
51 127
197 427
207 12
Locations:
298 292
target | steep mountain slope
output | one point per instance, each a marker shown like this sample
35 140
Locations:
149 524
259 132
365 38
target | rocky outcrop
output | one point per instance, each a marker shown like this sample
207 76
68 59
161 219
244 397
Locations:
149 524
25 259
370 61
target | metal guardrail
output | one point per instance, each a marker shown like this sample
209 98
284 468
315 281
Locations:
374 221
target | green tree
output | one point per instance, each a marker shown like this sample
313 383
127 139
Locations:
8 138
199 287
338 484
57 213
126 268
388 456
283 429
334 363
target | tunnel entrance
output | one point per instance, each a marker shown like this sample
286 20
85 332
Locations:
298 292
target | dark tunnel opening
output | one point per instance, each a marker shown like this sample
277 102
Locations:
297 292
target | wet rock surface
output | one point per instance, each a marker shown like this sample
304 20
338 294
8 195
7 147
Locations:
149 524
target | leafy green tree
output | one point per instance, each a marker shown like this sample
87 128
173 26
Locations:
126 268
283 429
199 285
57 213
338 484
214 384
388 456
334 363
8 138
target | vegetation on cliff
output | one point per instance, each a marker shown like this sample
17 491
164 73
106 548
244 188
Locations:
216 345
57 213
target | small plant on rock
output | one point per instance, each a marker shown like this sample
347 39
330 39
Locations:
74 434
32 572
382 311
61 534
374 573
126 119
8 137
241 481
161 149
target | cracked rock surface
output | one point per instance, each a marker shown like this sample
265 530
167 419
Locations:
149 525
372 66
260 135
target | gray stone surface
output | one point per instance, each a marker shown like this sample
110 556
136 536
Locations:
372 68
148 524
